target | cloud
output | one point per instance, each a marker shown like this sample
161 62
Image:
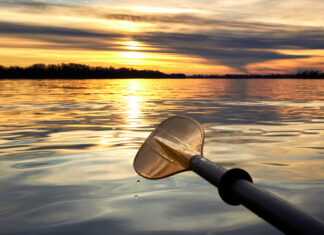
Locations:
60 38
23 3
14 28
224 49
231 40
133 15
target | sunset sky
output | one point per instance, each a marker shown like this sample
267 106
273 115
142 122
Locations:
185 36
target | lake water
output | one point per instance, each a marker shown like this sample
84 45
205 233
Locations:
67 148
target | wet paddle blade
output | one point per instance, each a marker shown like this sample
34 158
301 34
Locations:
169 148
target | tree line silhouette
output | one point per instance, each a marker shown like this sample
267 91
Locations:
300 74
72 70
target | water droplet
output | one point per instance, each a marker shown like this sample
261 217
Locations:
138 181
136 196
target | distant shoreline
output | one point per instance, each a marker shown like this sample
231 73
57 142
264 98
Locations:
79 71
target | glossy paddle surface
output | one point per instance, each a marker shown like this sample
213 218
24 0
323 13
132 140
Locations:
169 148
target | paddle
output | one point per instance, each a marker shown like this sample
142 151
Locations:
176 146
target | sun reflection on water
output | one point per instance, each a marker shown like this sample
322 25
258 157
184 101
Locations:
133 107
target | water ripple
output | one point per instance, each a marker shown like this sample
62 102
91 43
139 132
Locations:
66 153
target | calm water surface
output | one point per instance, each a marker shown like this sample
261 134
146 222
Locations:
67 147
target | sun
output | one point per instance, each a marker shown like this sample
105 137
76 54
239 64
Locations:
132 45
133 55
131 50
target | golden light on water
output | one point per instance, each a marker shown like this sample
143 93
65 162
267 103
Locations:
120 113
133 103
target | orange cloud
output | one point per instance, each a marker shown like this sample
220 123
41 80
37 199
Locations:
166 37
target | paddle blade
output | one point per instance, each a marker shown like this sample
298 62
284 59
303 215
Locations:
169 148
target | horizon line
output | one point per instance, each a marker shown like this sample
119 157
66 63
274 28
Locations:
132 68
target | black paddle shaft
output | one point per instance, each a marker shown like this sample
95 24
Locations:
235 187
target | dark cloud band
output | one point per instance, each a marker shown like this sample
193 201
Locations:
219 41
13 28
